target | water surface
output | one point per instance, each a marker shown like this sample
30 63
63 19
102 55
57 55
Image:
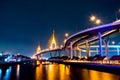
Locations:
53 72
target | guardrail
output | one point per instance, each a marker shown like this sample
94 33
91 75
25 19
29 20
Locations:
113 62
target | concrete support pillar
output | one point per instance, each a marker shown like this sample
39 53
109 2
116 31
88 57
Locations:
87 48
106 42
74 52
71 50
97 51
37 57
66 52
118 53
41 55
106 49
79 54
89 53
100 43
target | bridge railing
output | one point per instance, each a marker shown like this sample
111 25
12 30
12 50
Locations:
115 62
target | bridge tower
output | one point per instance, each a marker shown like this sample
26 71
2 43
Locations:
53 41
38 50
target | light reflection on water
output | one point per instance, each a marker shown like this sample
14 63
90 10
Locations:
8 73
38 73
0 74
18 72
65 72
102 76
53 72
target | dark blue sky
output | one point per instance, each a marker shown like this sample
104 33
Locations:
25 23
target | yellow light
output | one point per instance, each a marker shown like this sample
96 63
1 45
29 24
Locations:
38 49
18 71
38 72
66 34
92 18
61 46
51 71
64 41
98 21
62 71
53 42
33 57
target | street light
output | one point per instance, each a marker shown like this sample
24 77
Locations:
113 42
66 34
92 18
98 21
95 20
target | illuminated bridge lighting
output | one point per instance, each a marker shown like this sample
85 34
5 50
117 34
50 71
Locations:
38 50
53 42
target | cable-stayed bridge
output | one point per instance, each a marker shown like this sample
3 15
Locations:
96 37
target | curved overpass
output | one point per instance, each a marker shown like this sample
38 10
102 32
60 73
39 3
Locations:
105 30
91 35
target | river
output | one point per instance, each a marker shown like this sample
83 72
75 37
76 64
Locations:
53 72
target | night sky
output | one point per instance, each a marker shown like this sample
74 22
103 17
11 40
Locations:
25 23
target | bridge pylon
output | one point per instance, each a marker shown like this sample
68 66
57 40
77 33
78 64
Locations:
52 44
38 50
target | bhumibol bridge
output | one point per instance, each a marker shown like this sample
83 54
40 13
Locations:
93 40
